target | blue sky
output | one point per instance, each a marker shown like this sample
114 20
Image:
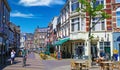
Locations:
31 13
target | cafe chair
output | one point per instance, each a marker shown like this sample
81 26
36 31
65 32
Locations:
116 65
105 67
74 66
85 65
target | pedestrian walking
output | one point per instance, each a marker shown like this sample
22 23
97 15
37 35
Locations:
59 55
107 56
24 54
12 56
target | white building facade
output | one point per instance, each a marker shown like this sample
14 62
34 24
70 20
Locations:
22 40
75 26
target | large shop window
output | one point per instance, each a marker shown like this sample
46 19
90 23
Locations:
79 49
105 46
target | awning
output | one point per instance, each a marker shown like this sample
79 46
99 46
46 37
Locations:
61 41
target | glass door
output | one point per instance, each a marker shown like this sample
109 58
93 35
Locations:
119 52
94 51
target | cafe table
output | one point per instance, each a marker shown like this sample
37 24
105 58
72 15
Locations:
106 64
80 64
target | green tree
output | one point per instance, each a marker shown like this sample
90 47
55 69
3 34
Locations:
94 11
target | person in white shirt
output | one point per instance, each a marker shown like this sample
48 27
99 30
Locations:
12 56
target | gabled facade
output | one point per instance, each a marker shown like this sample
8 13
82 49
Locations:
29 39
39 38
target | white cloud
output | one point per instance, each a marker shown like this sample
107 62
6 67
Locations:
19 14
40 2
118 9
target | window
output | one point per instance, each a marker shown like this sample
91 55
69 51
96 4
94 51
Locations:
72 27
66 14
101 46
118 17
98 2
73 1
102 25
43 37
63 16
75 24
99 26
0 17
104 44
74 5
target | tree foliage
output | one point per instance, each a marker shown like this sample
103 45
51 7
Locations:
93 10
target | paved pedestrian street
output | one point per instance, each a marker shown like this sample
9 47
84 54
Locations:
34 62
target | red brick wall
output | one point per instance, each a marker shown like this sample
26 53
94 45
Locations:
114 7
108 21
108 11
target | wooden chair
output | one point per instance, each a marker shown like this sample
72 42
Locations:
116 65
74 66
105 67
85 65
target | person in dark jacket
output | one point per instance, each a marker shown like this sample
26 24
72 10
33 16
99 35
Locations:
24 55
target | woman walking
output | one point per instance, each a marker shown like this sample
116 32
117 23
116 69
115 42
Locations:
12 56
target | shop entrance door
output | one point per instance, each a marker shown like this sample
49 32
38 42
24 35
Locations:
107 51
79 51
119 51
94 52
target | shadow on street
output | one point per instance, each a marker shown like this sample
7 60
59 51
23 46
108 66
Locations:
8 63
